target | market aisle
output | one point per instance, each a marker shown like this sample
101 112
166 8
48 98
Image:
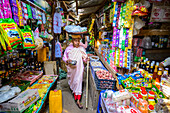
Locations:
69 105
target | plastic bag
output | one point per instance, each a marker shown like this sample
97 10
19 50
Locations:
146 43
9 31
139 23
5 88
74 29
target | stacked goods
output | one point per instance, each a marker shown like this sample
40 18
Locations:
46 79
27 36
7 92
118 102
19 13
33 13
15 11
43 86
145 93
24 12
31 76
39 17
29 11
21 102
10 33
5 9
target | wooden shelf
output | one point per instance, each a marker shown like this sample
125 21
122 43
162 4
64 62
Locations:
110 69
158 50
151 32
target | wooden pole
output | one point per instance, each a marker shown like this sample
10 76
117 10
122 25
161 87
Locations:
67 38
53 41
87 79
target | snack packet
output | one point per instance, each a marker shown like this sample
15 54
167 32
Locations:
9 31
27 36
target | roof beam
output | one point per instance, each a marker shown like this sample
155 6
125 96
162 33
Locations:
81 7
76 6
69 11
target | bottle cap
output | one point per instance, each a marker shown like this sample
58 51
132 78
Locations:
146 59
153 62
157 63
151 92
151 107
167 69
160 69
135 65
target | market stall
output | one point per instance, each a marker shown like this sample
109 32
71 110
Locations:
127 41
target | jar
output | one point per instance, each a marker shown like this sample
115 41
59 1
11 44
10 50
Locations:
150 108
151 94
151 101
140 96
144 95
142 89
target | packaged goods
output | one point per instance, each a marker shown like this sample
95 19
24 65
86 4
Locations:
21 102
96 64
27 36
10 33
7 92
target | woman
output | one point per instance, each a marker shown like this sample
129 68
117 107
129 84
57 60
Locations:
75 73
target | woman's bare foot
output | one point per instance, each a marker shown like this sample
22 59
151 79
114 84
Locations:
79 105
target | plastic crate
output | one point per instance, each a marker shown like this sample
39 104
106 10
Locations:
101 65
103 84
93 70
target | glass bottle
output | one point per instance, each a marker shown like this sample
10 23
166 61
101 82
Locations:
158 78
155 73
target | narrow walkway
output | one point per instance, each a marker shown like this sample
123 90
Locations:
69 105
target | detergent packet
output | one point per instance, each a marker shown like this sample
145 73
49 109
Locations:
2 43
27 36
9 31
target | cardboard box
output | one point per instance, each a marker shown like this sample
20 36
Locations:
21 102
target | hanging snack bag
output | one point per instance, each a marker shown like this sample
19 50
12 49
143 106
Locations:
29 11
9 30
27 36
19 13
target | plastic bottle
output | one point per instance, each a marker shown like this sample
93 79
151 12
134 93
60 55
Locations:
144 94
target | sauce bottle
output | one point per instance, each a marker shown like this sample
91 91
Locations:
158 79
155 73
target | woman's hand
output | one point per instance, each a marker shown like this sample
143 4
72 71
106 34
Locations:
68 61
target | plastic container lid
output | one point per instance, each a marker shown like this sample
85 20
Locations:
140 96
151 92
144 92
151 107
151 98
143 88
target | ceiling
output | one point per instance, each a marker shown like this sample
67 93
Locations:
81 10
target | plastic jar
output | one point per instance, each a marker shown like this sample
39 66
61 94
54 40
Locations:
151 94
144 95
151 108
142 89
151 101
140 96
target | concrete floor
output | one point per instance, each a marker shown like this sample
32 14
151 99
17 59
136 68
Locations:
69 105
